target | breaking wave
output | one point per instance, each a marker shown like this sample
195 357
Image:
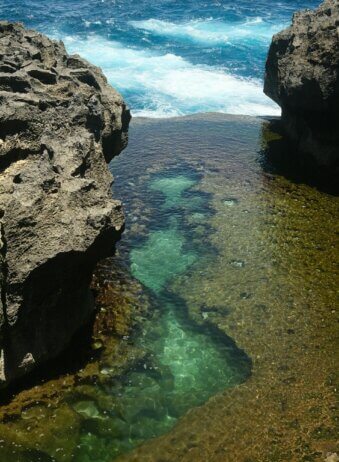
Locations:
164 85
211 32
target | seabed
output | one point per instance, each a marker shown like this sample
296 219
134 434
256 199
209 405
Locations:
215 338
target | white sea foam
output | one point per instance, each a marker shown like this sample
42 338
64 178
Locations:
211 32
168 85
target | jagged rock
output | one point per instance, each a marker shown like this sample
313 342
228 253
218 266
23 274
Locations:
302 77
60 124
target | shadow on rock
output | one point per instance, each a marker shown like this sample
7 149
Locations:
279 156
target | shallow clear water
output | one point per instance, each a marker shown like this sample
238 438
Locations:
229 246
170 57
185 364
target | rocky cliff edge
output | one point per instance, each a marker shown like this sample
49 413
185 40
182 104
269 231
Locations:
302 73
60 124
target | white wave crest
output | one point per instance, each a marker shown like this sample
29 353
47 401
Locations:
168 85
211 32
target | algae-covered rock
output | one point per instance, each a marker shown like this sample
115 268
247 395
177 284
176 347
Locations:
87 409
41 434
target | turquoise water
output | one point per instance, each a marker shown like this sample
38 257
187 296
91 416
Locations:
161 258
172 188
185 364
170 58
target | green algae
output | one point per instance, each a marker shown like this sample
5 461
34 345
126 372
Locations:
87 409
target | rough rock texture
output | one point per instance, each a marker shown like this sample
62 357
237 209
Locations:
60 124
302 73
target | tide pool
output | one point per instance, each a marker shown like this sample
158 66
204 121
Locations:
185 364
219 345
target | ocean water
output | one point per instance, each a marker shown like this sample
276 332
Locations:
170 57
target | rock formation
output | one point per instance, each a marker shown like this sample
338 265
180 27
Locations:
302 77
60 124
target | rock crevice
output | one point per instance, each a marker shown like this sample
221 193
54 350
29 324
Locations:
60 124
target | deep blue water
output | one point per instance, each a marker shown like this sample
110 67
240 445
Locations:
170 57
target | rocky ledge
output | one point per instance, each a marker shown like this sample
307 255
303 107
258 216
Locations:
302 77
60 124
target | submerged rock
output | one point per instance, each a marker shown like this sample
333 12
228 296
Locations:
302 77
87 409
230 202
60 124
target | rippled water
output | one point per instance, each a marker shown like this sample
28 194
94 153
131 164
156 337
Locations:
235 260
186 364
170 57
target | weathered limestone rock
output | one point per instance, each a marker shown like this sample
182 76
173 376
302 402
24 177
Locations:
60 124
2 313
302 77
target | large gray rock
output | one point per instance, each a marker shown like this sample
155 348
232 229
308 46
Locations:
302 77
60 124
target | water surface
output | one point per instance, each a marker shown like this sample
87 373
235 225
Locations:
233 260
170 58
